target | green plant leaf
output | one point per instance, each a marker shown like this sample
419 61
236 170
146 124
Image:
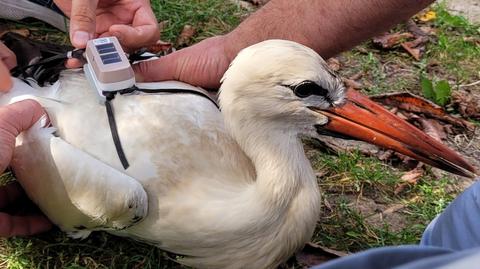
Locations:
427 87
443 91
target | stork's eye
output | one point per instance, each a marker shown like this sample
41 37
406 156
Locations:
307 88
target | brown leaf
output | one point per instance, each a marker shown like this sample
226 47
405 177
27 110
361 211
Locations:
410 177
472 39
433 129
162 25
356 76
414 29
22 32
160 46
313 254
186 35
415 52
333 63
467 102
414 103
387 41
350 83
415 47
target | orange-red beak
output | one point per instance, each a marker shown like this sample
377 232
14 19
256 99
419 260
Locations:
363 119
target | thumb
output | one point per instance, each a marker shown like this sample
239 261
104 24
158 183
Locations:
82 22
161 69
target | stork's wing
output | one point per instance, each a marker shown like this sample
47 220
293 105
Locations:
74 189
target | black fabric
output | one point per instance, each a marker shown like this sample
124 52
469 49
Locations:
41 61
48 4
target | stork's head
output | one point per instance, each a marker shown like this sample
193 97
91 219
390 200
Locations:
289 88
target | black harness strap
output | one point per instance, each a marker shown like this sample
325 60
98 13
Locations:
113 129
110 95
170 90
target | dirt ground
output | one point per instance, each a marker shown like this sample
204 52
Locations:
470 9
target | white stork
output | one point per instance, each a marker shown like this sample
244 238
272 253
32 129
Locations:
229 189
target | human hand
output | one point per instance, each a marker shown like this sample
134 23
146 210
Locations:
131 21
202 64
14 119
8 60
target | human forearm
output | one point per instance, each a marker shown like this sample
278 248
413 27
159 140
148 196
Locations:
328 26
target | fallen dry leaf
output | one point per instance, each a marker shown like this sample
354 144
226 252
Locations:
333 63
433 129
427 16
313 254
356 76
414 103
415 29
472 39
412 176
162 25
467 103
387 41
415 52
409 178
160 46
186 35
415 47
350 83
22 32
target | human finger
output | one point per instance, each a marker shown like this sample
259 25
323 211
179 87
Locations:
14 119
7 56
23 225
73 63
5 79
142 31
82 22
135 37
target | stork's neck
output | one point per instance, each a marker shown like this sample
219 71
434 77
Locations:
283 171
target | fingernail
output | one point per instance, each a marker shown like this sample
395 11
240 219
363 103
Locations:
80 38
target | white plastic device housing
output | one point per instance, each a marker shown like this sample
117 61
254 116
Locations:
111 76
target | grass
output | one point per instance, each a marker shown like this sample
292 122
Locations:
361 208
360 197
209 17
55 250
456 54
451 55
